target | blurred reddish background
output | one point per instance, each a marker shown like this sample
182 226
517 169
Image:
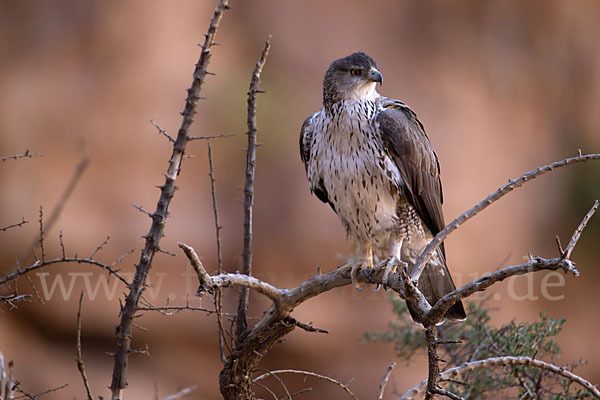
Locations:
501 86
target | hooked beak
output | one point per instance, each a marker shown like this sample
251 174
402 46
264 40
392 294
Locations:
375 76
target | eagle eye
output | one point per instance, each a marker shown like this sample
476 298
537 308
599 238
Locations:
355 72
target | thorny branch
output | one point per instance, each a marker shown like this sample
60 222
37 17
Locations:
219 294
124 330
241 325
78 358
27 154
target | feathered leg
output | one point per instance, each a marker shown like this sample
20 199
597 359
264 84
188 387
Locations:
366 262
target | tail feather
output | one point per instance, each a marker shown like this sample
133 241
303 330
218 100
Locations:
435 284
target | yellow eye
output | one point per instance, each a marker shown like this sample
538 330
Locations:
355 72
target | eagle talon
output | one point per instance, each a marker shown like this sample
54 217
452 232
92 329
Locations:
392 265
366 266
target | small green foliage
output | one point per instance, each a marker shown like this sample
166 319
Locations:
480 340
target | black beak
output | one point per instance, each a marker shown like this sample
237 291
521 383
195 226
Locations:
375 76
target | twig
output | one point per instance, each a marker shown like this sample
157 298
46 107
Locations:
23 221
218 295
162 131
307 373
78 358
241 324
512 184
181 393
503 361
24 155
39 264
577 233
278 379
191 138
123 346
35 396
385 379
307 327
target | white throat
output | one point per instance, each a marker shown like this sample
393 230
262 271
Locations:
364 92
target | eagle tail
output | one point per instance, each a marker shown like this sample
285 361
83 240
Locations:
434 284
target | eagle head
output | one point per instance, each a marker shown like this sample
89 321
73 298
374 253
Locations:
351 77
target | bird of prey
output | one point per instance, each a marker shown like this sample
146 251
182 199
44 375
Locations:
369 158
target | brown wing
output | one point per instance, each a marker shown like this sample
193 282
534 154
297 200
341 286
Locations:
408 145
405 141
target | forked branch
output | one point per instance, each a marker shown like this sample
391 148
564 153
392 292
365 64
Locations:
510 186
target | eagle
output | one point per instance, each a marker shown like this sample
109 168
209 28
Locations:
369 158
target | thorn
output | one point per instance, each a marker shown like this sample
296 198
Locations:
260 91
227 7
210 73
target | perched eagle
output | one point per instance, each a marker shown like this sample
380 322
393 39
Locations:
369 158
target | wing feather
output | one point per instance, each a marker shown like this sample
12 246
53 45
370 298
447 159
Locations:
407 143
306 139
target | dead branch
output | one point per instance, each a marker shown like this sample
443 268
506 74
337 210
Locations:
19 224
503 361
27 154
493 197
124 330
534 264
40 264
307 373
218 295
181 393
78 358
385 379
241 324
162 131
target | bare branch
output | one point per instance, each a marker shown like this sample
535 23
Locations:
78 358
123 346
307 373
181 393
503 361
218 295
192 138
39 264
162 131
577 233
19 224
512 184
241 324
534 264
27 154
385 379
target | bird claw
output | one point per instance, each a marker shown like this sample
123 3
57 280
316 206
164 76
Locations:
391 266
367 265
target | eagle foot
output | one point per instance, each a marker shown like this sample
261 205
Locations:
367 265
390 266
